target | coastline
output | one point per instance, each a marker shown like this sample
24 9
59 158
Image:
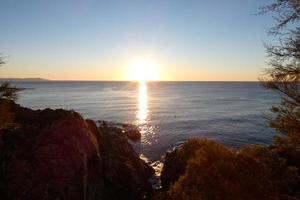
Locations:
62 155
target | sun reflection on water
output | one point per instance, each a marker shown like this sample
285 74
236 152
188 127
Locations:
142 103
142 116
146 129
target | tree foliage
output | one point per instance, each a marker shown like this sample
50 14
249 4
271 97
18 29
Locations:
216 172
283 74
7 93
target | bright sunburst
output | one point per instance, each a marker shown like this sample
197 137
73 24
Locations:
142 70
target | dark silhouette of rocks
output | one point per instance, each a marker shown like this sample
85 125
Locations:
131 131
174 167
56 154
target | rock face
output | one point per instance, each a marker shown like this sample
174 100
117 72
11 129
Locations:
132 132
176 162
56 154
174 167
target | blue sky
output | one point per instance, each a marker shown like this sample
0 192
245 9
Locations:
97 40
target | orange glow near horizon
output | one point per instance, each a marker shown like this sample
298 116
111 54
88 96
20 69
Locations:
129 70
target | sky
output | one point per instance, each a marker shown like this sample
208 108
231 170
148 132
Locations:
186 40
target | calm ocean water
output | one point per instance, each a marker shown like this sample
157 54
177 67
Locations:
166 112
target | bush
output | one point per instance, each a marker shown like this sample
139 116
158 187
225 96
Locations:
216 172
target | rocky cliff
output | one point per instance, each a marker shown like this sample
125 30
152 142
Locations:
56 154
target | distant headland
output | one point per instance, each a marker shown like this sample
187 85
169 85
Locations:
24 79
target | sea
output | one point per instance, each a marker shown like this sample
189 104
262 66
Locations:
167 113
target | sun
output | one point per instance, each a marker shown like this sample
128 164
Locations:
142 70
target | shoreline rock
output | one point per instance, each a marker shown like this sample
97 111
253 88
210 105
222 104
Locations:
56 154
129 130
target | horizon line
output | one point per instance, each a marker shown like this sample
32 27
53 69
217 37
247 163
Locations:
107 80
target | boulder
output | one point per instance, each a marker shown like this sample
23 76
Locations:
173 168
125 171
132 132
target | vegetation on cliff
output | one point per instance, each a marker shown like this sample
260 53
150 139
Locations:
283 74
203 169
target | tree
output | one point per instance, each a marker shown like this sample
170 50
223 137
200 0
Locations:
7 93
283 74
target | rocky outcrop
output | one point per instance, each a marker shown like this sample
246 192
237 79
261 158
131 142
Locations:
125 172
56 154
176 162
132 132
173 168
